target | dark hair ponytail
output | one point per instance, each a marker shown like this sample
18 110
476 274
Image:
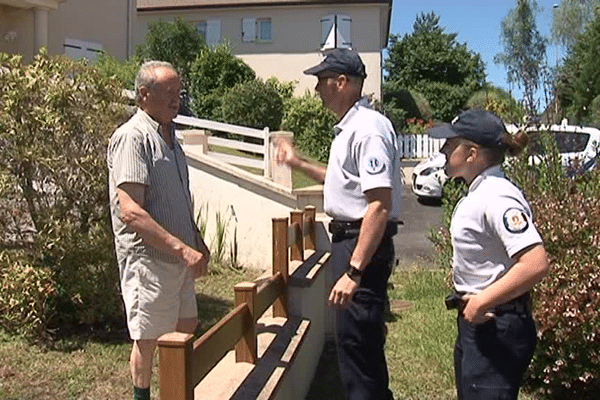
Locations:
515 143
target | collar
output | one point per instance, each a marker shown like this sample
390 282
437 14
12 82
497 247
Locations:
494 170
156 127
362 102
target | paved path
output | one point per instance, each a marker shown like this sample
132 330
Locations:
411 242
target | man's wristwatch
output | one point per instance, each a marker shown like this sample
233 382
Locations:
353 273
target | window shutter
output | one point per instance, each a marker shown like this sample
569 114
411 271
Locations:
344 31
213 32
248 29
328 32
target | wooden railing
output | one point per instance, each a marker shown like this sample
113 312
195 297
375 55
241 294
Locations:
418 146
183 362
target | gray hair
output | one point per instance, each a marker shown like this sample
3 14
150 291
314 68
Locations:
146 76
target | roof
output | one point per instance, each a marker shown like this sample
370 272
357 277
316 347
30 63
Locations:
158 5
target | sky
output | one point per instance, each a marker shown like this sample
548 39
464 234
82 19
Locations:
477 23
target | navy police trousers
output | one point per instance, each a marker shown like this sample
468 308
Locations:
490 359
360 329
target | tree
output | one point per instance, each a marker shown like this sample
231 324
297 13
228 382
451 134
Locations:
579 78
434 64
524 50
176 42
499 101
570 19
212 74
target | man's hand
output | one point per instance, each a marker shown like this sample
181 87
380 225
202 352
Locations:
473 312
342 292
285 153
195 260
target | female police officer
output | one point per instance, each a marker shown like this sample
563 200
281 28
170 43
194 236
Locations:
498 256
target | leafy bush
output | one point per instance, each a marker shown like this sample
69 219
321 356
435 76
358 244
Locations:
255 104
125 72
498 101
55 120
177 42
213 73
312 125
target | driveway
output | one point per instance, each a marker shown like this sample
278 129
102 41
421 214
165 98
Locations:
419 217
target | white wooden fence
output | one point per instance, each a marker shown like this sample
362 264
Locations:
262 150
418 146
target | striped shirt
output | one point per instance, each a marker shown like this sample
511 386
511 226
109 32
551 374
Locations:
138 154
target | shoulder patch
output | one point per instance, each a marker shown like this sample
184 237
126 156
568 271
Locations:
515 220
374 165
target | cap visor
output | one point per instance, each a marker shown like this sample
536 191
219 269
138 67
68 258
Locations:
315 70
442 132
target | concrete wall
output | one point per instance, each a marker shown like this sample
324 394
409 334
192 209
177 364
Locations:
296 40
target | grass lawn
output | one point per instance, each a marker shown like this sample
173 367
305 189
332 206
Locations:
419 348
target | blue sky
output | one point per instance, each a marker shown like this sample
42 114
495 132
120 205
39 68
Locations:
477 23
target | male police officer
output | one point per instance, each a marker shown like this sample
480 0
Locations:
158 246
361 193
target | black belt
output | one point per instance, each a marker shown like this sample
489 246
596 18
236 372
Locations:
352 228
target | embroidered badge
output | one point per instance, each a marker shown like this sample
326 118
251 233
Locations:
515 221
375 165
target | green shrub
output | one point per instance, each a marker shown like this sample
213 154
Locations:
125 72
56 116
214 71
312 126
255 104
498 101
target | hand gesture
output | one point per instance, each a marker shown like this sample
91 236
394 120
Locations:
285 153
342 292
195 260
472 312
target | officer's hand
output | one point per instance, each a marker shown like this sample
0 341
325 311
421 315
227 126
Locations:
195 260
342 292
285 153
473 312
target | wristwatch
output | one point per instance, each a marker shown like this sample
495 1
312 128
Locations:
353 273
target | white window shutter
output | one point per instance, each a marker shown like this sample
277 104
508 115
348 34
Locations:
328 32
344 31
248 29
213 32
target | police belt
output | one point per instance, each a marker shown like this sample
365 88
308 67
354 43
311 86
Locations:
351 229
519 305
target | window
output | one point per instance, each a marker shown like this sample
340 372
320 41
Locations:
79 49
336 32
256 30
210 31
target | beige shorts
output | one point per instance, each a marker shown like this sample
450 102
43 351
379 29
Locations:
156 294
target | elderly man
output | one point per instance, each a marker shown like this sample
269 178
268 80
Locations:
159 249
362 195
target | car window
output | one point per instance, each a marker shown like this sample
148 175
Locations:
567 142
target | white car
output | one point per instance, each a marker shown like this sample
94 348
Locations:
428 177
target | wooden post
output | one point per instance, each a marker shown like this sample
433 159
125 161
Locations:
310 214
246 348
281 263
175 366
297 248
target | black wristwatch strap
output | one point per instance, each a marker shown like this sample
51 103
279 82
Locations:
353 272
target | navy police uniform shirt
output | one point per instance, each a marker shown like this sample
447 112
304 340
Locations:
489 226
364 156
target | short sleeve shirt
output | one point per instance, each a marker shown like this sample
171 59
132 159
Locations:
364 155
137 153
489 226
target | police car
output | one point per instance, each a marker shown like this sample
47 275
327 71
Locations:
578 146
